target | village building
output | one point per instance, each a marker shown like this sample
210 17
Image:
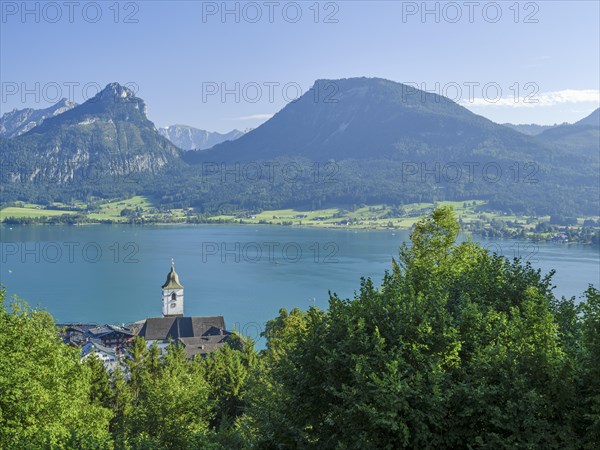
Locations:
108 335
109 356
75 334
197 335
117 337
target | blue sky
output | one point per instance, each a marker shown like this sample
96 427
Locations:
497 59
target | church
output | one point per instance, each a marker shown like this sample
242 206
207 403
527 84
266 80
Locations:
197 335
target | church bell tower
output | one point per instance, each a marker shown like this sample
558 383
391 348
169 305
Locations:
172 294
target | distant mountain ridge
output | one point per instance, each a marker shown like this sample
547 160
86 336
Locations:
533 129
530 129
190 138
107 136
372 118
20 121
372 141
391 143
582 136
593 119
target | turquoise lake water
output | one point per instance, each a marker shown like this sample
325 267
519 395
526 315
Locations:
114 273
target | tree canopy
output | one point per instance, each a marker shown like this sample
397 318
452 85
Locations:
458 348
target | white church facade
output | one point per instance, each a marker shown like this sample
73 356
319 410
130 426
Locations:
197 335
172 294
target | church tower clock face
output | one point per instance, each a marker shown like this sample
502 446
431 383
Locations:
172 294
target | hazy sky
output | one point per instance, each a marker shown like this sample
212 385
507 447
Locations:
519 62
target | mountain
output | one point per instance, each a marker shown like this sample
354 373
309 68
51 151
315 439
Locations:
582 136
19 121
593 119
534 129
530 129
389 143
190 138
371 118
106 139
345 142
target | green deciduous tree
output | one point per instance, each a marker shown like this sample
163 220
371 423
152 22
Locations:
227 371
589 368
458 348
46 394
170 407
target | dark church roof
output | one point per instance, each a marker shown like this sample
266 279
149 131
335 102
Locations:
203 345
163 328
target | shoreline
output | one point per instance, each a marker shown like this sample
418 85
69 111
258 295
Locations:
301 226
473 215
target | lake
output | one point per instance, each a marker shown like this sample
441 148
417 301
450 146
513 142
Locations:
114 273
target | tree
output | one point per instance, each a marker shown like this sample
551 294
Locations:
100 390
269 398
458 348
170 400
589 368
46 396
228 371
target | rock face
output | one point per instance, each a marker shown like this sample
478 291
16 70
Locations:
190 138
20 121
107 136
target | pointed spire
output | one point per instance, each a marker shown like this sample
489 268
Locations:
172 278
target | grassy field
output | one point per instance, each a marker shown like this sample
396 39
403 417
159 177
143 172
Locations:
31 211
365 217
112 210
